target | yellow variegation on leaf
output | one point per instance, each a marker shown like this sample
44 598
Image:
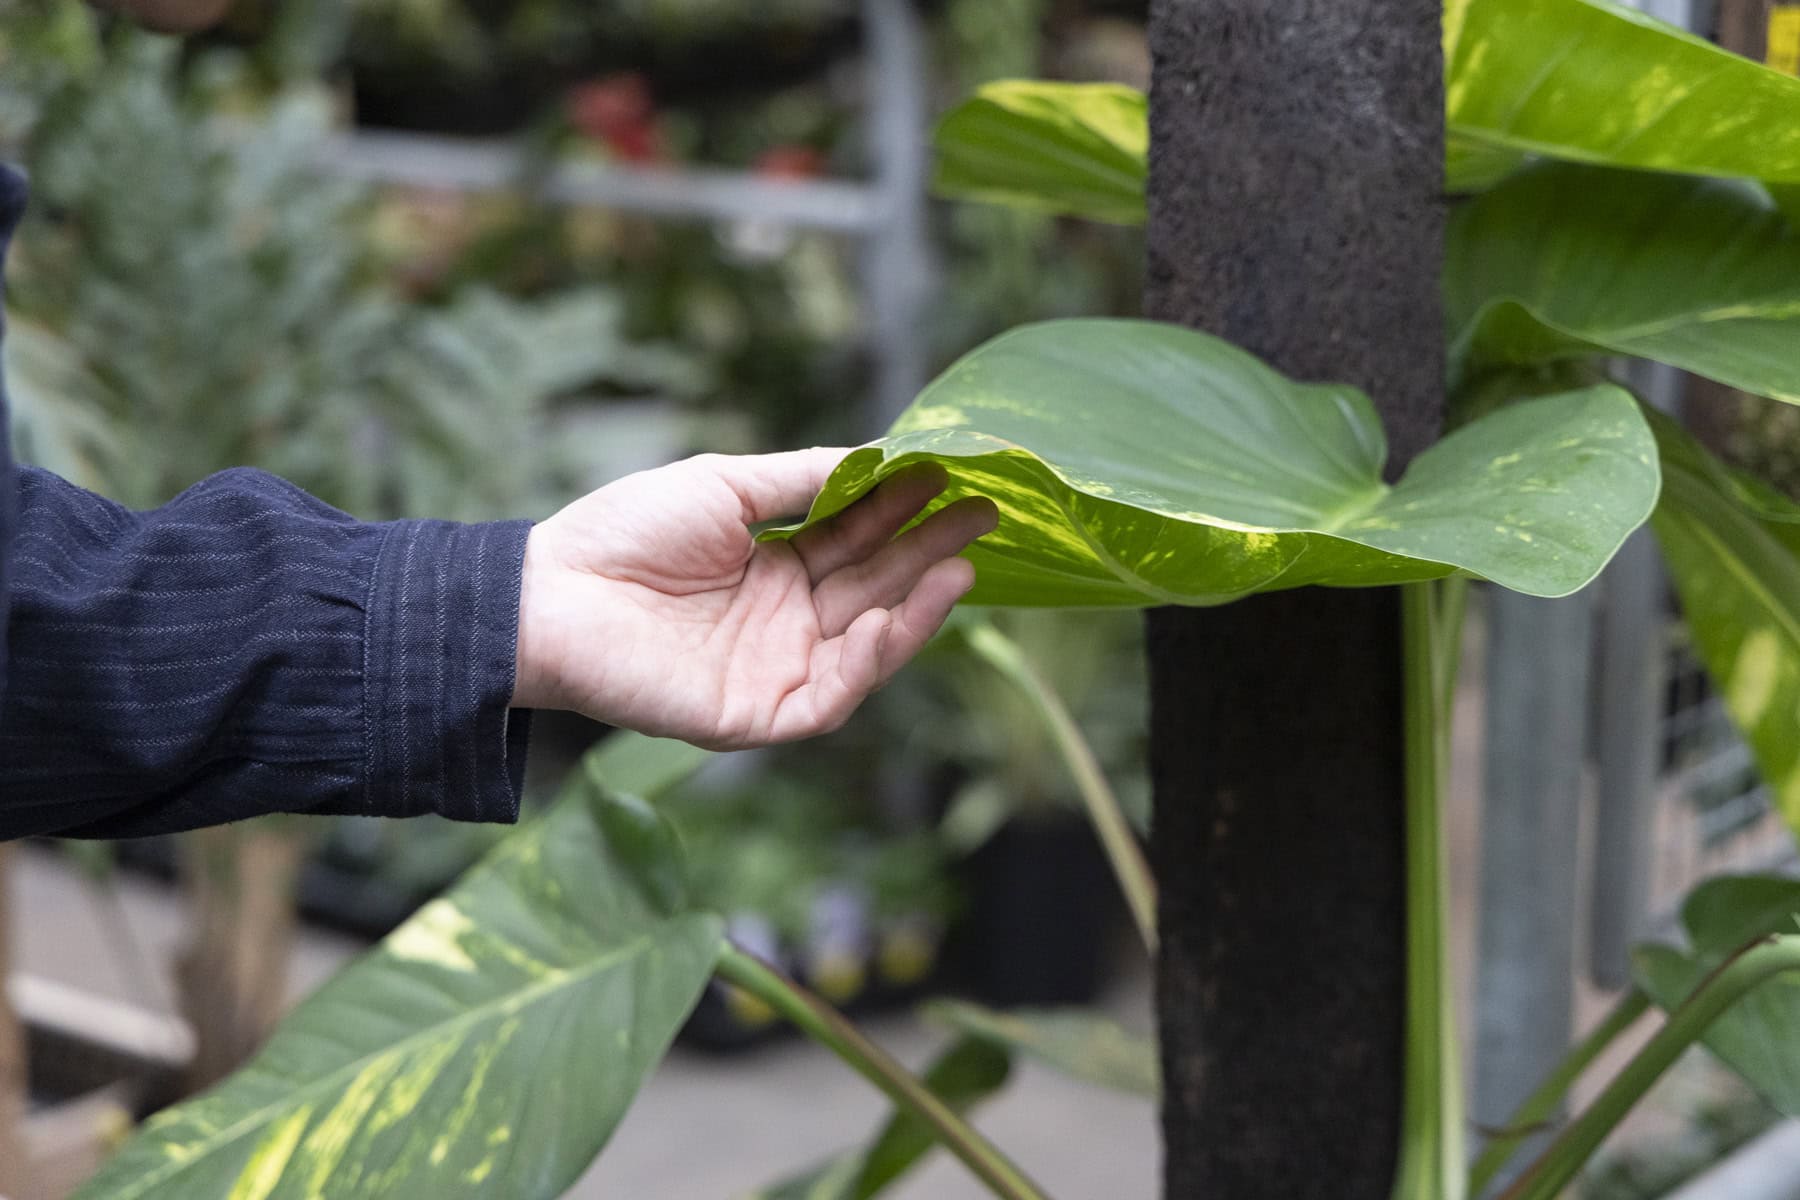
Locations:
1072 148
487 1048
1136 463
1600 82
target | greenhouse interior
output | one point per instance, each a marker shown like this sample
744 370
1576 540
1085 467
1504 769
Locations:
933 599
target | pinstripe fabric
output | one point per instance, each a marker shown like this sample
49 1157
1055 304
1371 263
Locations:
12 207
247 649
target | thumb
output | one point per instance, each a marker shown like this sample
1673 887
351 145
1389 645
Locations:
776 485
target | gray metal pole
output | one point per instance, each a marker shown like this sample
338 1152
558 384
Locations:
1632 667
897 262
1629 702
1537 698
1675 12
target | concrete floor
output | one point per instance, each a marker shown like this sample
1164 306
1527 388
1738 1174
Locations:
705 1128
711 1130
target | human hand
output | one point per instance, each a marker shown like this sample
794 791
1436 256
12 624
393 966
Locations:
647 604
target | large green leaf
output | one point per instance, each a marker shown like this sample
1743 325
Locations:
1136 463
1787 199
1733 549
1077 1042
1074 148
635 765
1759 1036
964 1075
1579 80
1594 81
487 1048
1471 164
1566 260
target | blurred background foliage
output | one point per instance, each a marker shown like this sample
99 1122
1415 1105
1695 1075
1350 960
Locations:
412 351
403 350
194 292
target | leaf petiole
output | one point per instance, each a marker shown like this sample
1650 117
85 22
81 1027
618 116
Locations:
1104 810
1753 965
832 1030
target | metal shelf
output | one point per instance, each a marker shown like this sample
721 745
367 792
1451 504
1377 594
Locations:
886 213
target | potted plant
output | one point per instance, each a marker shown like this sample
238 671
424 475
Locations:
1036 929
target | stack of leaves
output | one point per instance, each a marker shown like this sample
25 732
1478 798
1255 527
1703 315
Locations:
1628 186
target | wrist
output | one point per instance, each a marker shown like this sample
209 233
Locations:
533 667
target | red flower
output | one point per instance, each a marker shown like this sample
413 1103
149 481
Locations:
619 113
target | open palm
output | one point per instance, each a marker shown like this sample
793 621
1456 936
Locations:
648 604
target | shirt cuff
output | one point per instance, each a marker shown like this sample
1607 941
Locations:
440 650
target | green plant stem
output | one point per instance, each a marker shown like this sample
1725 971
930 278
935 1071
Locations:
1450 607
1755 964
830 1029
1431 1154
1541 1105
1103 808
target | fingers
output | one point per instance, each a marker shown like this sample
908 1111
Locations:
877 644
923 612
774 485
890 575
869 524
845 671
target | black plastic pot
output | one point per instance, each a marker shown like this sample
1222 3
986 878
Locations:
1043 909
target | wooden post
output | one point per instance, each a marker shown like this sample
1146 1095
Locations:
15 1167
1295 208
240 883
1743 26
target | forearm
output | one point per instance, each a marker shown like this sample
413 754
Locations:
247 649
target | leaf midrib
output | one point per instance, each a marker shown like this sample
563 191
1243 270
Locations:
511 1003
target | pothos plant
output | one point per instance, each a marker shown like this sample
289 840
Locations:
1620 182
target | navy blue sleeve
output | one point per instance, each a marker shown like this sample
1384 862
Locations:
246 649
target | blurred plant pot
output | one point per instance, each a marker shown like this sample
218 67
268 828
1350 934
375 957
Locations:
893 968
97 1067
1042 910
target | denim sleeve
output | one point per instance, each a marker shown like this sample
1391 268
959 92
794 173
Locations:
246 649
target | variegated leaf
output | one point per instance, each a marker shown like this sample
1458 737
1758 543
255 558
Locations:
1596 81
1136 464
1072 148
487 1048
